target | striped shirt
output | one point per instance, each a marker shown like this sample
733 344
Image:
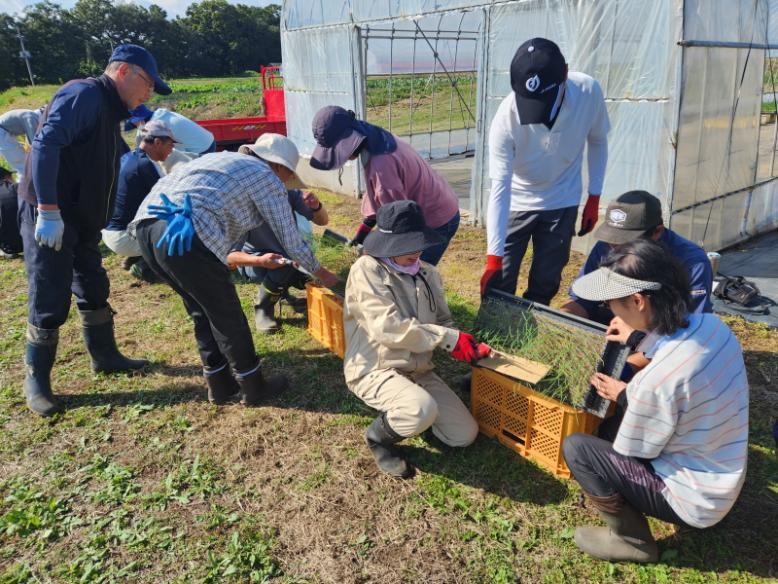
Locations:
231 194
688 414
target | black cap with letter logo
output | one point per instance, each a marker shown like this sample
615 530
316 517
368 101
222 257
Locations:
629 217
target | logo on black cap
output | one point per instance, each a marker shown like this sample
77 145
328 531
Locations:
532 83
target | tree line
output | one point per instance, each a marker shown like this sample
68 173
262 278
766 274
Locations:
213 38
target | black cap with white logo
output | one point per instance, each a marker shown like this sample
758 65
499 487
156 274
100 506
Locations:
537 71
629 217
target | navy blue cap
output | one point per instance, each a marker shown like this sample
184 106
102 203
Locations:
139 56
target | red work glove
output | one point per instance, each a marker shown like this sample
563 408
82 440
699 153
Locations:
363 231
469 350
493 268
482 351
464 350
590 214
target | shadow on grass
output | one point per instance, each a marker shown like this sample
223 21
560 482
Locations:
167 395
489 466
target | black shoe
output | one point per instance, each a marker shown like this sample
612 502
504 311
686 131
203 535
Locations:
143 271
222 386
255 388
101 343
380 439
128 262
298 304
263 310
39 359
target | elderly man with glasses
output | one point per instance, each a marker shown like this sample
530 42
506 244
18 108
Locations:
67 196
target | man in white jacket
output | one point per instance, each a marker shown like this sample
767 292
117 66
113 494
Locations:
536 144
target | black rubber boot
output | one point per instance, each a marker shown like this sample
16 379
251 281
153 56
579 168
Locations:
298 304
626 539
39 359
97 326
263 310
143 271
255 388
222 386
380 439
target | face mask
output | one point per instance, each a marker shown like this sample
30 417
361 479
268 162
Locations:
411 270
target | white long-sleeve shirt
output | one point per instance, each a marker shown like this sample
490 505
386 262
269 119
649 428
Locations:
533 168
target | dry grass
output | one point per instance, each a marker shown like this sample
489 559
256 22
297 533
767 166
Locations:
142 480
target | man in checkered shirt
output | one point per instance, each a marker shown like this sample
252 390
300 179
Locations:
230 194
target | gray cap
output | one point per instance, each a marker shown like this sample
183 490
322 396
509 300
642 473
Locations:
158 129
629 217
605 284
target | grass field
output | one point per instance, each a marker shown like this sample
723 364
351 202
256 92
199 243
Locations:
142 480
195 98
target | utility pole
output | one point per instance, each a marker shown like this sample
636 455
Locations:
25 54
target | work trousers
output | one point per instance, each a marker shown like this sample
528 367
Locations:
203 282
432 255
10 232
603 472
276 281
414 402
52 276
120 243
552 234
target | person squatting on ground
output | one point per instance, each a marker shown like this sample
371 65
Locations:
639 214
394 171
13 125
10 237
137 175
394 316
193 139
258 254
536 144
680 451
185 228
67 195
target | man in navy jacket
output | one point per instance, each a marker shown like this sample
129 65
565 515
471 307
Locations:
66 198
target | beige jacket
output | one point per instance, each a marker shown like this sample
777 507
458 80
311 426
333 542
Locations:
393 320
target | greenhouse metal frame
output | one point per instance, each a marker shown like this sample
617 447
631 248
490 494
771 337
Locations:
689 86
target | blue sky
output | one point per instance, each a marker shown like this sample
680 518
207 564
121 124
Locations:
173 7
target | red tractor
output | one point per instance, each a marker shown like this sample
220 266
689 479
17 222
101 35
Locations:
233 132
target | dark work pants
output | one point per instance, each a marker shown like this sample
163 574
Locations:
276 281
551 233
432 255
203 282
603 472
52 276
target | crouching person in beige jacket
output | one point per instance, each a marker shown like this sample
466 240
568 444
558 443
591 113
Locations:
394 316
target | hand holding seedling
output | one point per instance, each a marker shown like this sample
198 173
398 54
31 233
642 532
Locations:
618 331
606 386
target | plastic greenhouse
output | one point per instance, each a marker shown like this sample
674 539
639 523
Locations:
689 87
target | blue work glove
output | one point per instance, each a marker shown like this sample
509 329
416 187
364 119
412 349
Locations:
180 230
49 229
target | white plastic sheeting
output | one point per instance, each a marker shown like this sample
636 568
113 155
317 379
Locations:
685 118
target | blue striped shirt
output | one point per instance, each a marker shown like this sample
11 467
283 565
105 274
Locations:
231 194
688 414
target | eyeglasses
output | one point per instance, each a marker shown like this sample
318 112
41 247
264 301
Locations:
138 72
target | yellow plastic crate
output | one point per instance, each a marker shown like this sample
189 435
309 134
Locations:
325 318
526 421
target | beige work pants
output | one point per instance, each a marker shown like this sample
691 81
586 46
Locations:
413 403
